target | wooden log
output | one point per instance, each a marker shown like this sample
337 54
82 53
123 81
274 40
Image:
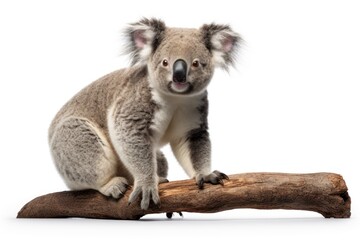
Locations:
325 193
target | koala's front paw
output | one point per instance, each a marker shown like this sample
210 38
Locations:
148 191
215 177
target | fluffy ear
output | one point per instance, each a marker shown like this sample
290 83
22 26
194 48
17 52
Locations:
222 42
143 38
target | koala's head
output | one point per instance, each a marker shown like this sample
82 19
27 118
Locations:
181 61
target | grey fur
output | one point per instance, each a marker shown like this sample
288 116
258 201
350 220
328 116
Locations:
162 165
109 135
134 29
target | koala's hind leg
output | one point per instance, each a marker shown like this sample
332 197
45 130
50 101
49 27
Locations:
162 167
85 158
162 171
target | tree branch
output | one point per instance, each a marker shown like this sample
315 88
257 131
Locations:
325 193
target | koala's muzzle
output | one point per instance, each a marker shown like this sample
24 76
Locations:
179 71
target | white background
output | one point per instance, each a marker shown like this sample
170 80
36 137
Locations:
291 105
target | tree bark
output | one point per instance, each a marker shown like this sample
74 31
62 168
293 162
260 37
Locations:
325 193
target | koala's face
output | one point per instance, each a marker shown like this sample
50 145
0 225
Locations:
181 64
181 61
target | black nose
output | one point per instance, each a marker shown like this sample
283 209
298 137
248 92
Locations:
179 71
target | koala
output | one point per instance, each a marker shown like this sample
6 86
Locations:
109 135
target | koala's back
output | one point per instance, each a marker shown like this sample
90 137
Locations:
93 101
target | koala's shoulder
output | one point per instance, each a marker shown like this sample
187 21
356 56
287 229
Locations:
134 94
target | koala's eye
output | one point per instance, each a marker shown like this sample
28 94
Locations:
165 63
195 63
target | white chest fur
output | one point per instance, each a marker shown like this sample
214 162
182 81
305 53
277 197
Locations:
175 117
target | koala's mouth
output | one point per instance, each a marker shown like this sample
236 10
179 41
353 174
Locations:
179 87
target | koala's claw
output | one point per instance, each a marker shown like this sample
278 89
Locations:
221 175
169 215
200 182
148 193
215 177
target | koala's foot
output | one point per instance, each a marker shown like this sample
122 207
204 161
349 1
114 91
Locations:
147 191
169 215
215 177
115 188
163 180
